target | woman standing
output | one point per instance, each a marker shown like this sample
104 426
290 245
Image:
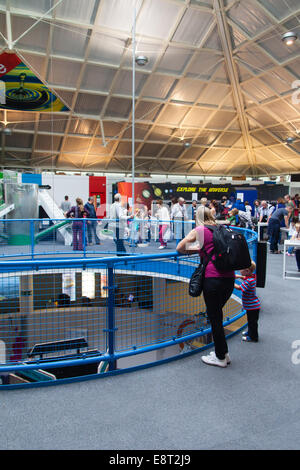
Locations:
77 212
164 223
218 286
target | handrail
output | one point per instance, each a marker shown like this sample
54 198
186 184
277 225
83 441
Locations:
31 265
29 247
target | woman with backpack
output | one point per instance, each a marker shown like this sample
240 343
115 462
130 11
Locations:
218 285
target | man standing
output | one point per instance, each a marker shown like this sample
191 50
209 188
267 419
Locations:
179 215
91 224
118 220
192 210
265 211
65 205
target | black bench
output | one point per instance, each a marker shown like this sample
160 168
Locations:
66 345
56 346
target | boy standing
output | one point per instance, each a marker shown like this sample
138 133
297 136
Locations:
251 302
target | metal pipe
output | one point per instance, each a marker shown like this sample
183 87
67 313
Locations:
133 106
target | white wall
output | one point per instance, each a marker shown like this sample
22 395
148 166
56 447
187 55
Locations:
67 185
294 188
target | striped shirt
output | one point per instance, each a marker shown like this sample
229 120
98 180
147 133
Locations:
249 297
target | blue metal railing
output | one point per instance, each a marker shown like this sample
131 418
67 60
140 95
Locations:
32 239
115 329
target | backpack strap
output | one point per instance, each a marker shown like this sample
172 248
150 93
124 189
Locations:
208 257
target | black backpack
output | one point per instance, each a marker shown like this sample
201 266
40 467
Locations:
230 249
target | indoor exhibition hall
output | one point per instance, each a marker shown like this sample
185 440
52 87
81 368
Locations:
149 226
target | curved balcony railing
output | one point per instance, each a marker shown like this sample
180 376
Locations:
72 319
38 238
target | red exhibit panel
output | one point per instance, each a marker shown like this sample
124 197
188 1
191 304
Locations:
143 192
97 188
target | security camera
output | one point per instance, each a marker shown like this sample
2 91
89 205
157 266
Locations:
141 60
7 131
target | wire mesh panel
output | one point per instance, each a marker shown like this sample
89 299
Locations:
51 307
63 318
153 304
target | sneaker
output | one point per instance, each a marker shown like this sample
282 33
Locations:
212 360
161 247
227 357
249 340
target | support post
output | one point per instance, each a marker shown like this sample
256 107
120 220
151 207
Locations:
111 314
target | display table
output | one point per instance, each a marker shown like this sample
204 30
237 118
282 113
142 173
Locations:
285 231
290 274
259 225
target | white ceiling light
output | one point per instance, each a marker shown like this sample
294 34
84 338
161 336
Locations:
289 38
186 145
141 60
7 131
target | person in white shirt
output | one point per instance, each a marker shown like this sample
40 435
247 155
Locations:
179 215
118 222
265 211
164 223
248 207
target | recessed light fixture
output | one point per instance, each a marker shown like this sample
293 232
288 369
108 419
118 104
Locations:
7 131
141 60
186 145
289 38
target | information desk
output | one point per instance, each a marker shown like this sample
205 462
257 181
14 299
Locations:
290 274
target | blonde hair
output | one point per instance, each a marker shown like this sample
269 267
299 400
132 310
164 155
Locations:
252 267
79 203
204 216
234 211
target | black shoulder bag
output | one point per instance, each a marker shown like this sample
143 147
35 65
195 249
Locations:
197 278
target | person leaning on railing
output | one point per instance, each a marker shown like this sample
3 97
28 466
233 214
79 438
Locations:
218 286
275 223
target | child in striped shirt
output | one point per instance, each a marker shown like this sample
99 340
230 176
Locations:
251 302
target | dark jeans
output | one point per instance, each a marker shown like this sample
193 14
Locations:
252 316
91 229
274 234
216 292
298 259
77 229
120 247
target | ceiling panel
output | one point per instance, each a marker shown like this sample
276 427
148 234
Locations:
197 85
193 27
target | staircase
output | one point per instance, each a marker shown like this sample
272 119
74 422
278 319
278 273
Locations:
54 212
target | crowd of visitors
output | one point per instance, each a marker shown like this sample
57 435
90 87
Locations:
190 226
167 222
